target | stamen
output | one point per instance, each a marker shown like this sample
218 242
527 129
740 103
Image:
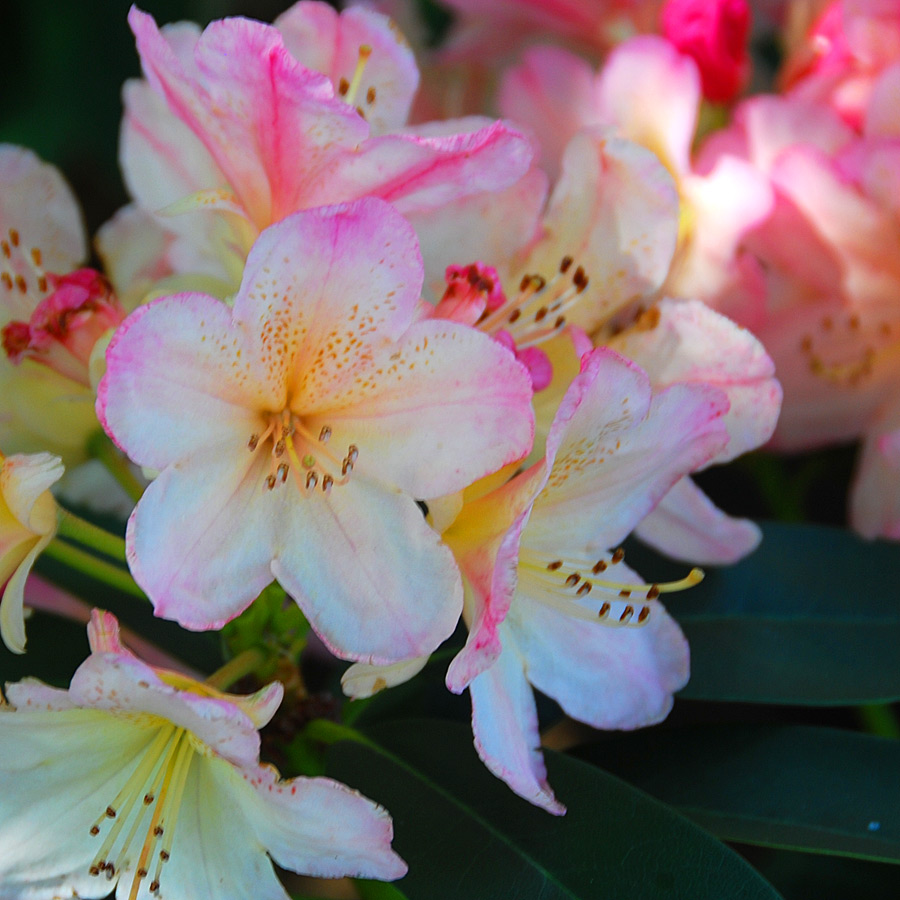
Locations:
349 93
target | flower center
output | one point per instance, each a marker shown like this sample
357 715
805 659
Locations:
873 344
348 90
577 590
153 792
295 451
537 312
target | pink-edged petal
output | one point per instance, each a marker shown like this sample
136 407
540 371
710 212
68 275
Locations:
651 92
687 525
614 211
320 827
552 93
616 451
368 572
364 680
686 341
201 538
608 677
321 291
419 173
485 541
122 684
37 203
505 725
175 382
320 38
875 494
243 81
456 401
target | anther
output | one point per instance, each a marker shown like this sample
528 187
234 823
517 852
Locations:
14 237
158 830
148 799
164 855
353 453
327 482
541 314
643 615
21 284
627 613
142 873
618 555
95 829
599 566
346 466
324 434
653 593
573 579
94 870
624 593
556 564
253 443
154 887
560 321
584 589
370 96
280 447
603 612
270 482
579 279
514 315
110 812
282 472
564 264
36 256
343 87
311 480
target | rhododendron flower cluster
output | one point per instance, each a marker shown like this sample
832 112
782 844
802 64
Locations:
364 382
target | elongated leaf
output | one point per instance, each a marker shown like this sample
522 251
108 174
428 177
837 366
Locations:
790 786
812 617
466 835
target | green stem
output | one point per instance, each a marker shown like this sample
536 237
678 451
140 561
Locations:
89 565
879 719
102 448
237 667
83 532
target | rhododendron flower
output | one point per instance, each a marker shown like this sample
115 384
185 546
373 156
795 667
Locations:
231 132
147 782
48 315
549 604
647 92
296 431
27 525
829 312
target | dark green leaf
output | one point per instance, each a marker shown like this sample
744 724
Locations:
810 618
466 835
792 786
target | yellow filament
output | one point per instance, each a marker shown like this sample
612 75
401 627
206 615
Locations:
365 51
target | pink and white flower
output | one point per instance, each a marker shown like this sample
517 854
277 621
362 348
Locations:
50 315
27 525
147 782
295 432
549 603
233 129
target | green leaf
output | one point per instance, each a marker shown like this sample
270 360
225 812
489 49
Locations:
810 618
464 834
814 789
